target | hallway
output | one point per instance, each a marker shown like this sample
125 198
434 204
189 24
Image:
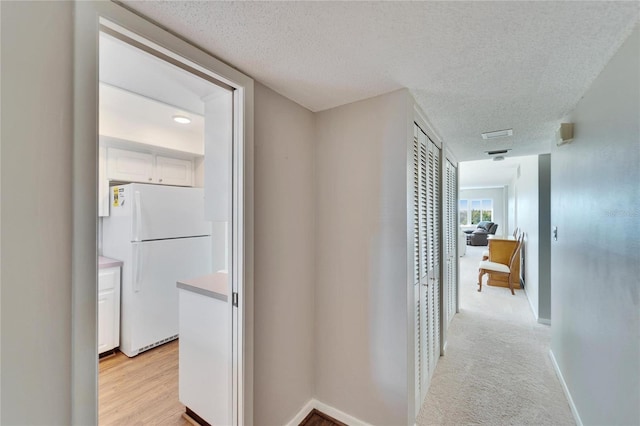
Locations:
497 368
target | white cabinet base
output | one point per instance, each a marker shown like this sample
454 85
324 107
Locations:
108 309
205 356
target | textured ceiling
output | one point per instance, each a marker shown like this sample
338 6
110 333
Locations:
487 173
472 66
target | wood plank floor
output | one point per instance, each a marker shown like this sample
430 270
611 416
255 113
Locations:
142 390
318 418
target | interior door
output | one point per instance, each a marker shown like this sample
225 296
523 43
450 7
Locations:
434 239
426 332
415 218
427 246
451 240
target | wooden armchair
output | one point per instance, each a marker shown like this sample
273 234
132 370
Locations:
487 266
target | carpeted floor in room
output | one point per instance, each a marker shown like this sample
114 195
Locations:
497 369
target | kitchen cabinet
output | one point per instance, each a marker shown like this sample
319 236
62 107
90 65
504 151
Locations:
108 308
174 171
130 166
125 165
116 164
205 353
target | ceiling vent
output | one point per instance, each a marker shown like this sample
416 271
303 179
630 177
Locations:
500 151
497 134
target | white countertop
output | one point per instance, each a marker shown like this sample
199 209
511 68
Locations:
106 262
212 285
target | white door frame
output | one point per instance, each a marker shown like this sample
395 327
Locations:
84 364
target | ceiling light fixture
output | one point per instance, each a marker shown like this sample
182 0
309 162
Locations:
182 119
497 134
500 151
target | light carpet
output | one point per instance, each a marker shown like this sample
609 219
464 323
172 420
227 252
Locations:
496 370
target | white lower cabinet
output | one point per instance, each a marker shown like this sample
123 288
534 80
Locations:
108 309
205 358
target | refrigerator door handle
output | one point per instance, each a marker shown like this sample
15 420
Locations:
137 223
137 268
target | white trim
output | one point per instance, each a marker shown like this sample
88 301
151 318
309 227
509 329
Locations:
533 309
565 388
544 321
304 412
88 17
339 415
420 118
328 410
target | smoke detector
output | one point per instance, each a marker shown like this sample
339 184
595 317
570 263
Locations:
497 134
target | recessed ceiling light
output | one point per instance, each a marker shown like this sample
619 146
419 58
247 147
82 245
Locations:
497 134
182 119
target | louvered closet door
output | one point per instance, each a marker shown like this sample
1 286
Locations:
415 217
426 334
426 248
451 239
434 238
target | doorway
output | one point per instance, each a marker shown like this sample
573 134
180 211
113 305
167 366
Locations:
220 173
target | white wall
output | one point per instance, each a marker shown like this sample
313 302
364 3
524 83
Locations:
526 187
595 267
361 251
495 194
36 212
284 257
511 206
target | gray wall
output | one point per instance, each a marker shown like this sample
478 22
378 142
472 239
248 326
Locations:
595 266
361 248
37 72
544 238
284 257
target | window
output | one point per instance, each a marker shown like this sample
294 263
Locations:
473 212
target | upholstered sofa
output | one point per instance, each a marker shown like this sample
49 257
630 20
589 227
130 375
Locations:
479 236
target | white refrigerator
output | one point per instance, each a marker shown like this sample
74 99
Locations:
161 236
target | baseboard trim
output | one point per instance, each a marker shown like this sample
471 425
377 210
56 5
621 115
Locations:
302 414
574 410
544 321
339 415
533 309
328 410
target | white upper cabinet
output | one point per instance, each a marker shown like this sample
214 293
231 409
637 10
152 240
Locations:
174 171
130 166
125 165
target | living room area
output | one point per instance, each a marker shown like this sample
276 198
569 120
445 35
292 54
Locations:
498 202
